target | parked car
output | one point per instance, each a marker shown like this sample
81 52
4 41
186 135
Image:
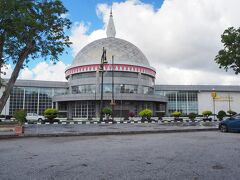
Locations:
230 124
33 117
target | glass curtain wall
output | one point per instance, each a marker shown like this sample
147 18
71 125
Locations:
16 99
45 99
84 109
87 88
120 88
183 101
33 100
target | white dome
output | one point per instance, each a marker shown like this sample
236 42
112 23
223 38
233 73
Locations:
123 51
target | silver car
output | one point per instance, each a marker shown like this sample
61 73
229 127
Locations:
33 117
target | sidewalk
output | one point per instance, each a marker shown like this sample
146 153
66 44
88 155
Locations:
51 130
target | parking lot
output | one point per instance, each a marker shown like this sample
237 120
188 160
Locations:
195 155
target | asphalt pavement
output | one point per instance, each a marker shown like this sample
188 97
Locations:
192 155
37 130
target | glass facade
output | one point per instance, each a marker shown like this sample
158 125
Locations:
120 88
148 78
86 88
183 101
45 99
84 109
16 99
33 99
148 90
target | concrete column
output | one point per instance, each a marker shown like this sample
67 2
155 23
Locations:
97 82
140 88
69 110
24 98
97 110
70 86
56 105
38 101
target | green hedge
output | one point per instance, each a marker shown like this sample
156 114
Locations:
176 114
146 113
20 115
50 113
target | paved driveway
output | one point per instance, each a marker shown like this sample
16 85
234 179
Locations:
198 155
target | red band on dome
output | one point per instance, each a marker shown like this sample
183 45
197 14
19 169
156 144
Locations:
108 67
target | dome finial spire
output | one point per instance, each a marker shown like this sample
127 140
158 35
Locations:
111 11
111 32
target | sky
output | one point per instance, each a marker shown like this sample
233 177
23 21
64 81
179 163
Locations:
180 38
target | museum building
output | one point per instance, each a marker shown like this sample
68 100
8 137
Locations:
128 85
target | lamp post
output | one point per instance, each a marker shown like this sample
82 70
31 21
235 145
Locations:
214 95
103 61
229 102
121 89
113 101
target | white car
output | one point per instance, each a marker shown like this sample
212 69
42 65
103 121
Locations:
33 117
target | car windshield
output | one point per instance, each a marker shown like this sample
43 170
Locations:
237 117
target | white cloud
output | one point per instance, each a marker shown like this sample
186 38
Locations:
45 71
7 70
180 39
26 74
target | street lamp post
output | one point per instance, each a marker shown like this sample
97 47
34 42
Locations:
214 95
121 89
103 61
113 101
229 102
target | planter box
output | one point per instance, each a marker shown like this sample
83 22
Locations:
207 119
19 129
7 127
178 119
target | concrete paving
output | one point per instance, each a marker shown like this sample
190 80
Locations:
172 156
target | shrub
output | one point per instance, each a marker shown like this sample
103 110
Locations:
231 113
206 113
20 116
192 116
50 113
146 113
221 114
107 111
176 114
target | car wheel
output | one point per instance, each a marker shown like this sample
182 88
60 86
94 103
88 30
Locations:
224 128
40 119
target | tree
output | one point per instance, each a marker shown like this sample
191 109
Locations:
20 116
192 116
146 113
221 114
50 114
229 56
29 30
107 111
231 113
176 114
207 113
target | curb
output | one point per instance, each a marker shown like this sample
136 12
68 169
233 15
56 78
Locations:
107 133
